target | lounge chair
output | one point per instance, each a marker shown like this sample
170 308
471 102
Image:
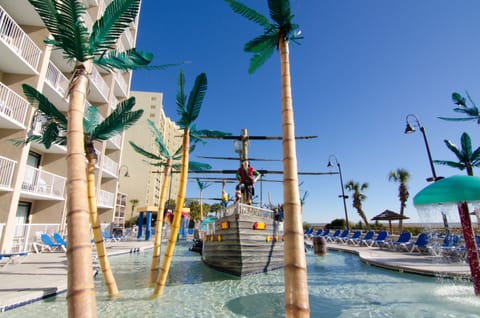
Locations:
403 238
48 244
108 237
343 235
317 233
59 239
362 241
449 248
308 232
356 235
421 244
331 238
12 258
380 240
325 233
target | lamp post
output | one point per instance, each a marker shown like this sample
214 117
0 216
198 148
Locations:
410 129
343 196
126 170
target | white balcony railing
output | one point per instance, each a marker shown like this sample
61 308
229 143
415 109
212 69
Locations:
105 199
110 166
100 84
6 173
18 41
12 106
43 183
56 79
114 142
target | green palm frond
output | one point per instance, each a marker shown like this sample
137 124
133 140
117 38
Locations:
259 58
197 136
189 112
178 153
198 166
262 43
90 120
129 60
145 153
280 11
64 21
452 164
458 99
248 13
39 101
453 148
456 119
466 143
115 20
112 125
159 139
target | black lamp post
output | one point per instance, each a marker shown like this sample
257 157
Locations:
343 196
410 129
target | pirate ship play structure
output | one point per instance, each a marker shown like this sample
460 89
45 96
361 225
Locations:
245 239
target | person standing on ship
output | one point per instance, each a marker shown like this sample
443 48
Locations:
247 177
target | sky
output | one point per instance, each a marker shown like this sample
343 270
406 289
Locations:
361 68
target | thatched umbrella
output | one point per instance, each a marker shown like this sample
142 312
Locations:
388 215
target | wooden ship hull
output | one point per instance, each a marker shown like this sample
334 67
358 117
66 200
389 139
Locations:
245 240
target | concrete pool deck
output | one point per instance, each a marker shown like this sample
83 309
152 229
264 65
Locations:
42 275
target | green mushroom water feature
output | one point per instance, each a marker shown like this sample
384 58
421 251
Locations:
459 190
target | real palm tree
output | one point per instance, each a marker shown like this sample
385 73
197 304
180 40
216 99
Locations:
188 111
358 197
68 32
402 176
276 35
168 161
54 132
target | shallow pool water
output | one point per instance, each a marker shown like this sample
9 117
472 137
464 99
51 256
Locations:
340 285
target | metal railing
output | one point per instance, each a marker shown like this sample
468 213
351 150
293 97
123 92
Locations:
6 172
17 40
56 79
110 166
105 199
99 83
13 105
43 183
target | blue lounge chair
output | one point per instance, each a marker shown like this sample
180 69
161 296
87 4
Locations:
356 235
317 233
59 239
12 258
342 236
331 238
450 247
48 244
420 245
362 241
325 233
381 239
403 238
108 237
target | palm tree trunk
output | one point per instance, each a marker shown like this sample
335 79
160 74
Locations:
296 287
177 217
81 290
157 245
107 274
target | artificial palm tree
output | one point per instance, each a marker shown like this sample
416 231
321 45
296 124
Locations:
168 161
358 197
276 35
202 186
467 159
69 33
188 111
401 176
472 113
54 132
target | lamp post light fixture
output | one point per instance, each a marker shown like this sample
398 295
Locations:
126 170
343 196
410 129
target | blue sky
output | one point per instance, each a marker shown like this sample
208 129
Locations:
362 67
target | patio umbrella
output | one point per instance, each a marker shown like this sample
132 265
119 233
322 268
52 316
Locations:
389 216
459 190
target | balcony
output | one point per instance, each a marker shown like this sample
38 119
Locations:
113 103
20 55
105 199
121 87
6 173
98 88
127 39
109 168
13 109
114 142
41 185
56 88
37 130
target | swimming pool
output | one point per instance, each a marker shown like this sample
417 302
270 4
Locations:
340 285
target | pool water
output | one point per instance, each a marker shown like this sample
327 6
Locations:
340 285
